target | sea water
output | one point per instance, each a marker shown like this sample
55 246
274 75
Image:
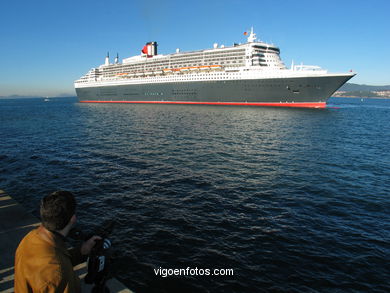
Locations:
292 200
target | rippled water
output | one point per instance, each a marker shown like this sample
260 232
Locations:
294 200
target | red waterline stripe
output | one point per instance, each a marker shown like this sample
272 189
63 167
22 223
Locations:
297 105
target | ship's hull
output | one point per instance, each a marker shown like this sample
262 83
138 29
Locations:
291 92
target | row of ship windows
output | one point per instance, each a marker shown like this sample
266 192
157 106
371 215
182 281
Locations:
154 66
239 51
205 61
266 52
195 77
246 86
232 58
204 56
208 59
142 68
202 64
201 56
263 48
212 79
107 73
111 74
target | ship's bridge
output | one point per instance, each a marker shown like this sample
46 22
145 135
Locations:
262 54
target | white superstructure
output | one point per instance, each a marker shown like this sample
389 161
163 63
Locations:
254 59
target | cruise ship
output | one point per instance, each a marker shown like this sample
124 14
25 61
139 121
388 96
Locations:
249 74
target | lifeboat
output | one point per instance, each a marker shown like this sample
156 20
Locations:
214 67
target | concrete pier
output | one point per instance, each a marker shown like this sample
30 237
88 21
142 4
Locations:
15 223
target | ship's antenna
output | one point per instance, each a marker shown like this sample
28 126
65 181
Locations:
252 36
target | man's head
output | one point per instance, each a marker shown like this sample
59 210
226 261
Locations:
57 209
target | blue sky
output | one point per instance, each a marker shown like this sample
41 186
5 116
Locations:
46 45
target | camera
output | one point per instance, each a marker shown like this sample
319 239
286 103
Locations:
99 259
98 266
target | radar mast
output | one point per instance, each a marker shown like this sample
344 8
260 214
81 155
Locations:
252 36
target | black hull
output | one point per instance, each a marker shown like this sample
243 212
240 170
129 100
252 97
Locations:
275 91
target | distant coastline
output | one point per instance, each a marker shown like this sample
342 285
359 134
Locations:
38 97
345 95
337 95
352 90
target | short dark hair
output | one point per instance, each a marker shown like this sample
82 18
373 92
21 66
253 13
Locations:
57 209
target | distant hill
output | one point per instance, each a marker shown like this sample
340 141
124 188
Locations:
17 97
40 97
353 87
354 90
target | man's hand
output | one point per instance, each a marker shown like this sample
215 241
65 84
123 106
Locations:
86 247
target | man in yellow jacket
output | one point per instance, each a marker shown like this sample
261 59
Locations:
42 261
